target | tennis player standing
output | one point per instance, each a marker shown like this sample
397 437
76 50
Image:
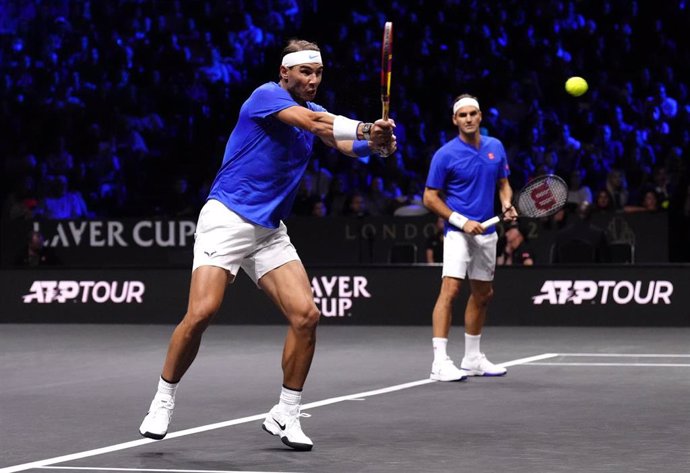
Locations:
461 188
240 226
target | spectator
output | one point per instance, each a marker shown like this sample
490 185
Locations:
305 196
410 204
662 186
181 202
319 208
22 202
35 253
603 202
618 188
357 206
337 197
513 248
434 244
567 148
650 203
378 198
577 191
61 202
569 242
321 177
607 147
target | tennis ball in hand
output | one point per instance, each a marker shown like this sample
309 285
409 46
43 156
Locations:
576 86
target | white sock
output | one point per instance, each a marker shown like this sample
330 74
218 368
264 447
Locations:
289 399
167 389
439 348
472 345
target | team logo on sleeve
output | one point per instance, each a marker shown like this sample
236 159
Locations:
492 156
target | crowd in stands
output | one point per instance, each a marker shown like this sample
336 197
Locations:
122 108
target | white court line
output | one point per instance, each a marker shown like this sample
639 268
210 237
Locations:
629 355
664 365
147 469
243 420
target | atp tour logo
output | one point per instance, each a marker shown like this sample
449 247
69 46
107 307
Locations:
48 292
333 295
603 292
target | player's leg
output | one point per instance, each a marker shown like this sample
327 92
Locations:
205 296
481 274
288 287
481 293
455 259
442 315
222 240
276 268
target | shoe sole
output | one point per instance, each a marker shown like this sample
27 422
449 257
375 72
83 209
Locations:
302 447
152 435
438 378
480 373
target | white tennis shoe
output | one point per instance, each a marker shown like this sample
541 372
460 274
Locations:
445 370
480 366
155 424
286 425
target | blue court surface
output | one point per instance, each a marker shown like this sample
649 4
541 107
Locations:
574 400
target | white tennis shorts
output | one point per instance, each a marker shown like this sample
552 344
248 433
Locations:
469 255
226 240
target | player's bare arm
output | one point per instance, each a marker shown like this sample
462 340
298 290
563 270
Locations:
321 124
433 200
505 194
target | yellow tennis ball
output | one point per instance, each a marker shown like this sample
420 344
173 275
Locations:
576 86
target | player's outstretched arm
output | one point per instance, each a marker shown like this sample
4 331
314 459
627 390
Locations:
340 132
381 141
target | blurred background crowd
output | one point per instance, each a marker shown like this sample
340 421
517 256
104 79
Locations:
122 108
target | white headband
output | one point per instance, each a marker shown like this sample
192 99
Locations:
464 102
302 57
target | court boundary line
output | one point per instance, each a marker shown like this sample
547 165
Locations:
629 355
625 365
162 470
618 355
242 420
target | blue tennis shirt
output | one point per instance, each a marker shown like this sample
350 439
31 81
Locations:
468 176
264 159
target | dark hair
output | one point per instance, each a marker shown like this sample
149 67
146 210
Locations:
294 45
464 96
610 206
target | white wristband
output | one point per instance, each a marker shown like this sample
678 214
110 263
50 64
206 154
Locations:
457 220
344 128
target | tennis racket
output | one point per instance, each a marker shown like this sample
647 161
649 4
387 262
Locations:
541 197
386 68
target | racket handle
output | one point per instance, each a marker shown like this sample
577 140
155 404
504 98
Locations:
491 221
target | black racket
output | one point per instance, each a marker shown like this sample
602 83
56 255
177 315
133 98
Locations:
541 197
